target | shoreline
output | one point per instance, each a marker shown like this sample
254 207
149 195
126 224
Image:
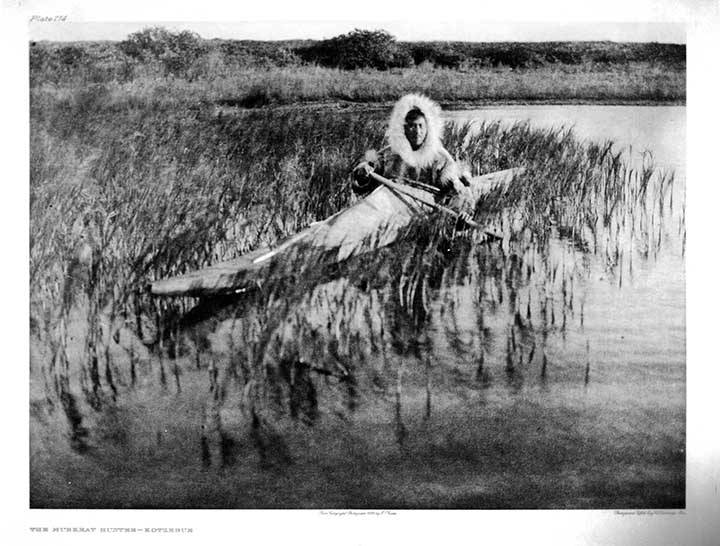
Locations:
354 106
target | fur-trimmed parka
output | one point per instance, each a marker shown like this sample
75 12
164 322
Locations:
430 163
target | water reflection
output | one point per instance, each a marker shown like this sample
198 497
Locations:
445 353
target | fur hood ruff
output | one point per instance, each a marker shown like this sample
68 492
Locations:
427 153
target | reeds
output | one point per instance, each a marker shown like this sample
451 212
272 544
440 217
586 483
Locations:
157 193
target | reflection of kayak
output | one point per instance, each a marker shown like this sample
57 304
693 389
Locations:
371 223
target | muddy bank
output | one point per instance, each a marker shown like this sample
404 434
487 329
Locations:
228 108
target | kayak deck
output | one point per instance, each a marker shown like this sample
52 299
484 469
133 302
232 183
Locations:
371 223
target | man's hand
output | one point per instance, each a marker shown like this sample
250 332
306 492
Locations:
466 218
362 182
363 170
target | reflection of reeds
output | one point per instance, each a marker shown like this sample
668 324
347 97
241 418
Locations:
587 363
159 194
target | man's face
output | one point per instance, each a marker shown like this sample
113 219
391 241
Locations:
416 131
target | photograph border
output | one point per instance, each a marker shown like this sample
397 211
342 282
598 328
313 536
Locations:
326 527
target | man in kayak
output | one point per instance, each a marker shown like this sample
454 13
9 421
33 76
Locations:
414 152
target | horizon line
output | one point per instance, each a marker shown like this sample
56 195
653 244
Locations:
471 32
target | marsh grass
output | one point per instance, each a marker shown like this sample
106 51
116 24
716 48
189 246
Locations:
126 192
252 87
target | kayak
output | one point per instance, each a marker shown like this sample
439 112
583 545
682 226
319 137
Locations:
372 223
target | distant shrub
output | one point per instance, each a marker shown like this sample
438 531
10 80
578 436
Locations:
56 63
443 55
358 49
623 53
561 53
661 53
175 51
71 56
38 57
513 56
252 53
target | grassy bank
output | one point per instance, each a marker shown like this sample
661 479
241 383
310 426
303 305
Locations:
255 87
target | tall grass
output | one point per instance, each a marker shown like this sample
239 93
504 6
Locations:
251 86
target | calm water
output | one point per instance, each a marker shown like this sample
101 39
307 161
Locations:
638 321
581 404
659 129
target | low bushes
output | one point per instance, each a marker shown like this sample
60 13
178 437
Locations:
158 52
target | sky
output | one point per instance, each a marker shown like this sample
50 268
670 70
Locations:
474 31
466 20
